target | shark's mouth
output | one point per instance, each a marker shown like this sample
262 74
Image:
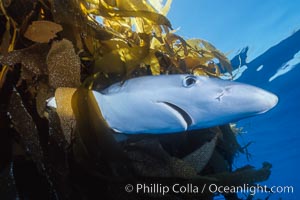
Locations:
181 114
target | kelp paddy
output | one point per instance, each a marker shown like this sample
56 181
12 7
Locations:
50 48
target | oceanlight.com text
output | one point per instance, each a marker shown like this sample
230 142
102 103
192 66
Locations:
177 188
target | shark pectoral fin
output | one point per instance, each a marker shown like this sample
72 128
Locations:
51 102
184 118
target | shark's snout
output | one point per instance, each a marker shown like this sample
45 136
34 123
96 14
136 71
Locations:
266 100
250 98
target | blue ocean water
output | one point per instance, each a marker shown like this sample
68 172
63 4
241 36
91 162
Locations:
263 39
275 135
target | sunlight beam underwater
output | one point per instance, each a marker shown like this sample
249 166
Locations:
176 103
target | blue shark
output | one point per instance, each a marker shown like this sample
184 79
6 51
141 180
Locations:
177 103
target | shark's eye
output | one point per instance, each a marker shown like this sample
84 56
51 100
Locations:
189 81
